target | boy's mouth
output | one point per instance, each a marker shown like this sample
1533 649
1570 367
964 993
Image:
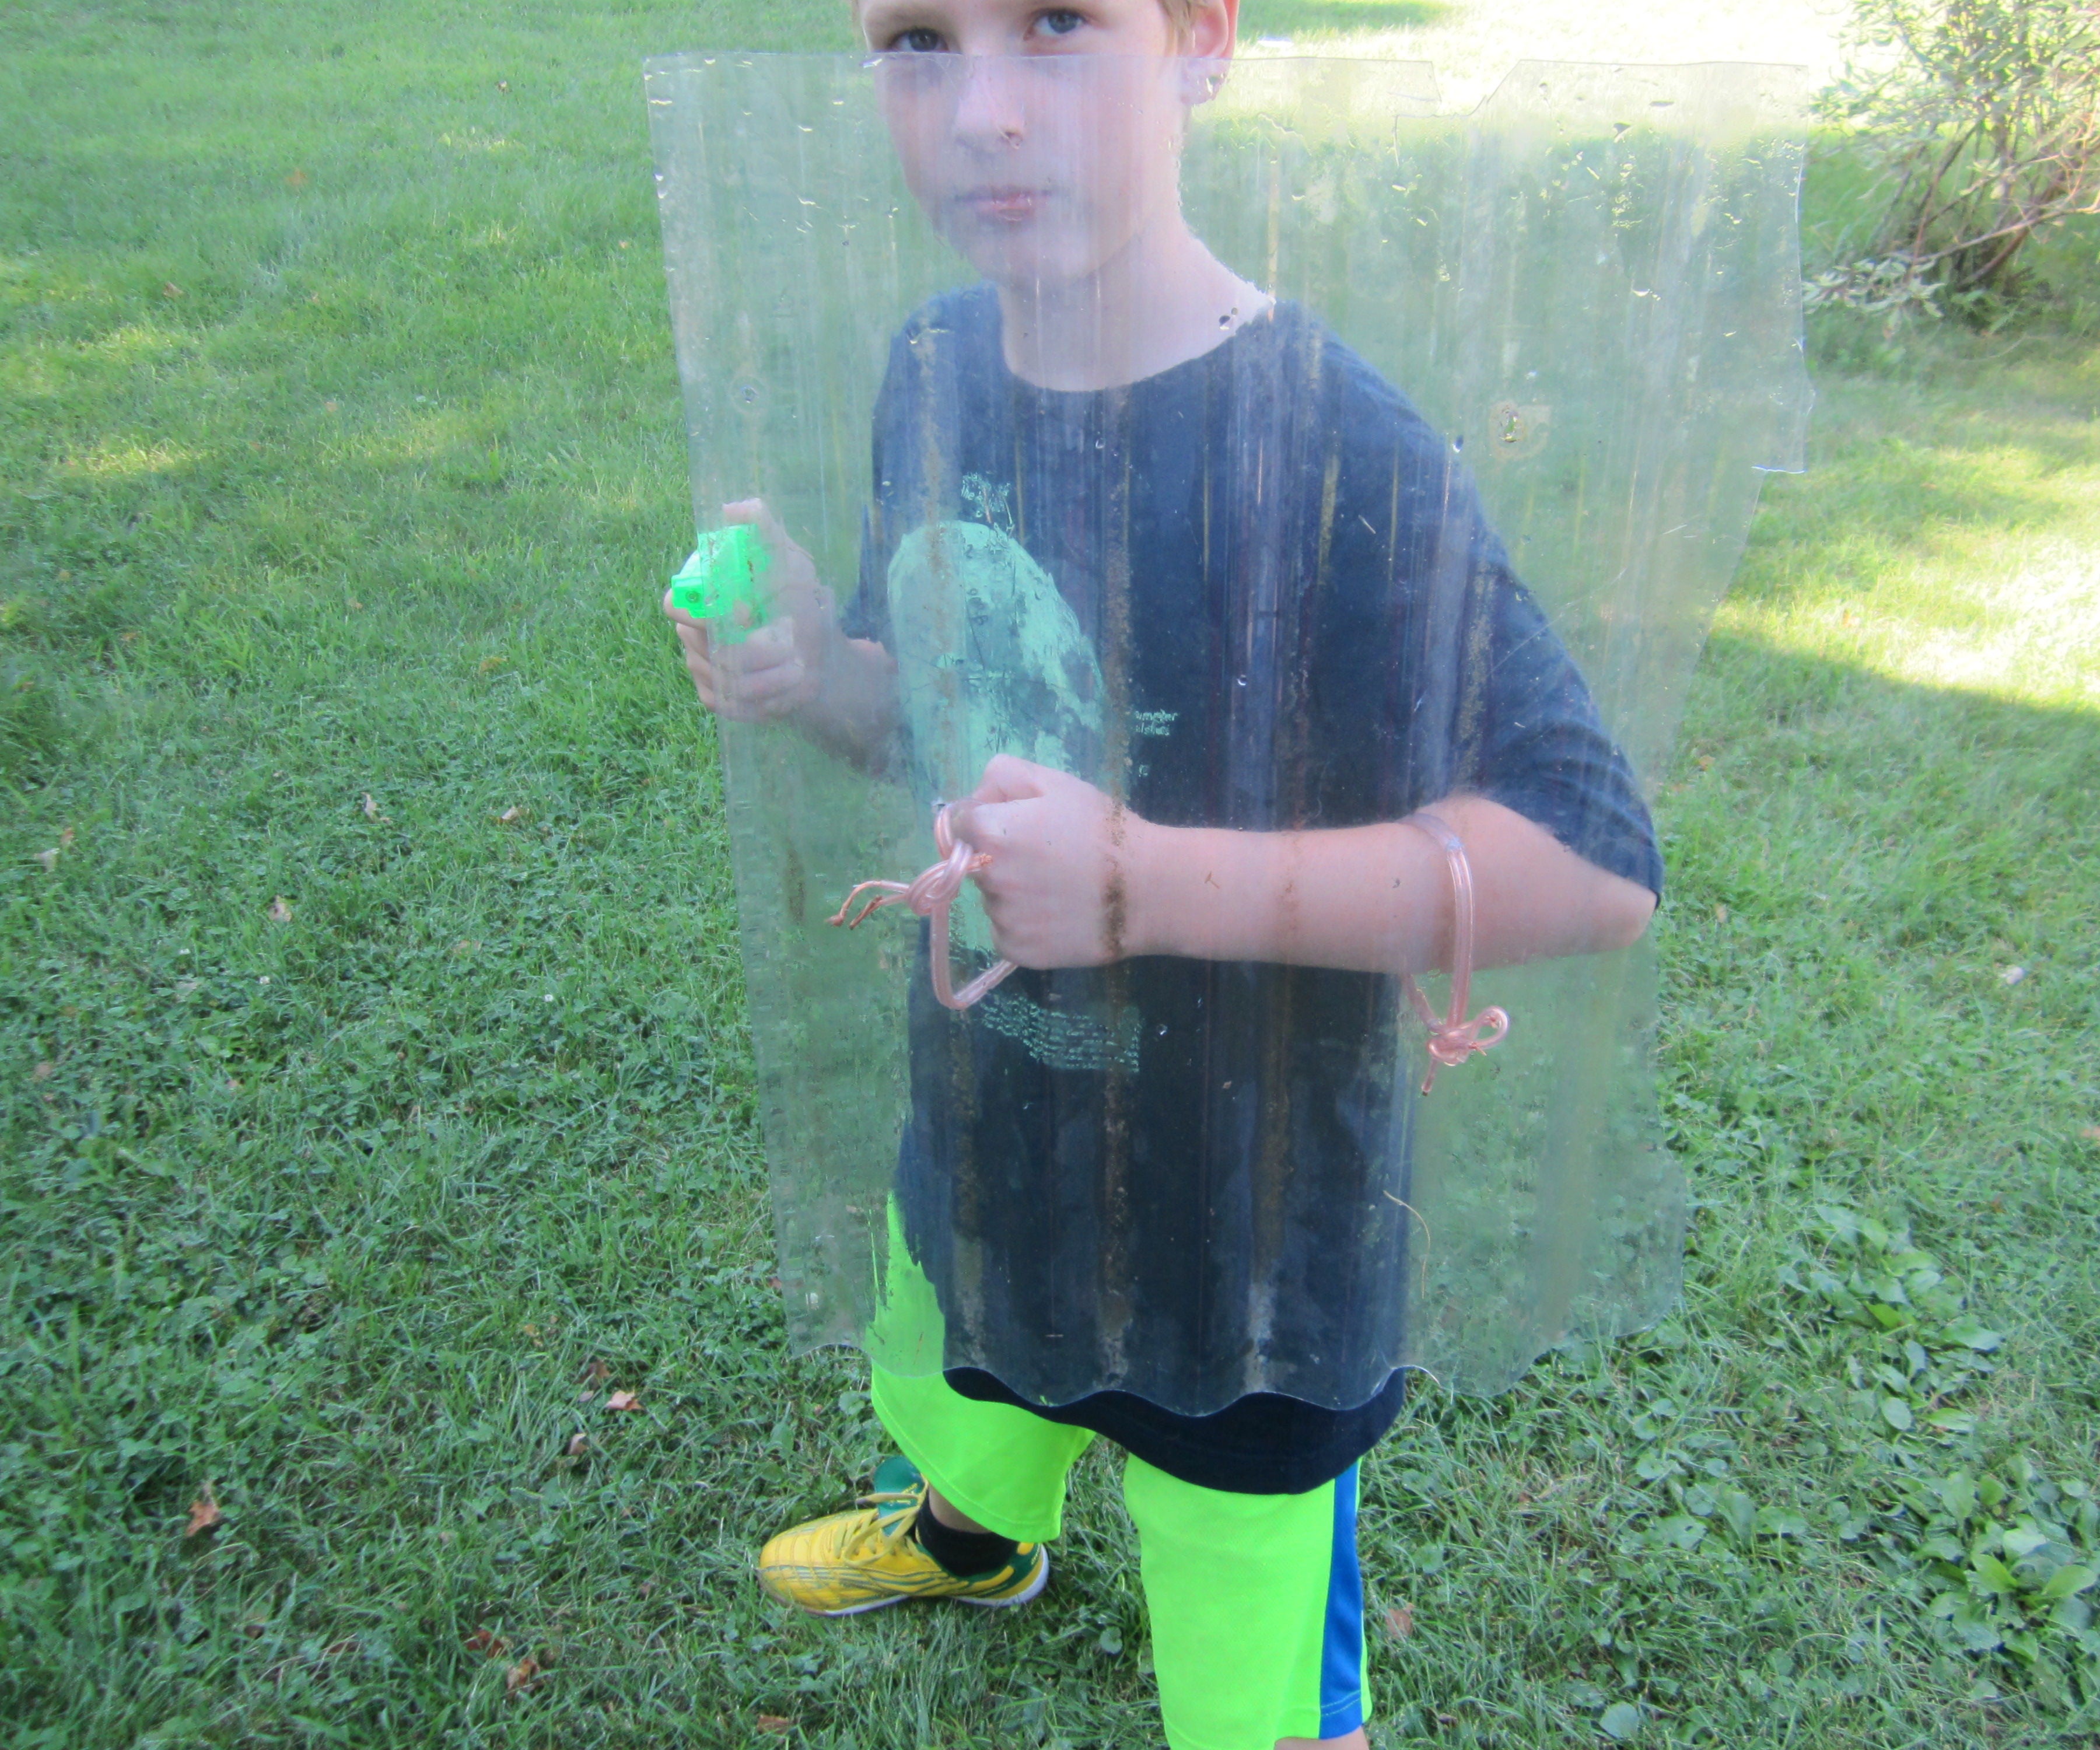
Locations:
1011 204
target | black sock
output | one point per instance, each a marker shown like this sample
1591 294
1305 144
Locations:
965 1554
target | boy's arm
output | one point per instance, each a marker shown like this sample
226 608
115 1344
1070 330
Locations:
1074 880
1377 898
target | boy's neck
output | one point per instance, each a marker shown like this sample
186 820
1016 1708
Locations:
1161 301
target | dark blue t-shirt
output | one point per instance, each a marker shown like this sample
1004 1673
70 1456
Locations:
1257 592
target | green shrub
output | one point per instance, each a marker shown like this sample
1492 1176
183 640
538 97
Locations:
1980 122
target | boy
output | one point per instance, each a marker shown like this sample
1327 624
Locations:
1194 610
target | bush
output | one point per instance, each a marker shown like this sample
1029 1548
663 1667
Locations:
1979 121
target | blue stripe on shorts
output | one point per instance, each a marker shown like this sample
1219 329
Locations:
1342 1655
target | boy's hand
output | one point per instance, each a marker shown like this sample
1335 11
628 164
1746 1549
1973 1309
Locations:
1057 888
777 670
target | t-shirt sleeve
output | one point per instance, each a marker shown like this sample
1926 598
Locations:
1538 747
1480 693
866 613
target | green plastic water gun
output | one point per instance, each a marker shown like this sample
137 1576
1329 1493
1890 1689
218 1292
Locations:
727 570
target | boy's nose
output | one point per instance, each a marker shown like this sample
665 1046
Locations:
990 108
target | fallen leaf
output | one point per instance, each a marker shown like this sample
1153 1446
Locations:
596 1373
1621 1721
1706 762
330 406
579 1444
487 1641
280 910
371 808
45 1071
2091 1133
170 289
1399 1621
65 838
779 1725
127 638
357 607
297 180
503 85
510 816
522 1675
49 859
1720 914
623 1401
2012 975
203 1515
490 664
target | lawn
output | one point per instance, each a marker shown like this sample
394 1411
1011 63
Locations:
374 1095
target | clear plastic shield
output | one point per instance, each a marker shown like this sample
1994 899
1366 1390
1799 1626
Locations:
1413 487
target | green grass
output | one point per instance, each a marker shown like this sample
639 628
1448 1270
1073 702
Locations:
1313 20
339 450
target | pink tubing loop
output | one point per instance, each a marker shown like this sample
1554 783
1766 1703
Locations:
1452 1038
930 895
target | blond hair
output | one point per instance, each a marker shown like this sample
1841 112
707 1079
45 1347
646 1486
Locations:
1180 16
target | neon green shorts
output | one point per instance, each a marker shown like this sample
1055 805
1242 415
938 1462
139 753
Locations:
1255 1600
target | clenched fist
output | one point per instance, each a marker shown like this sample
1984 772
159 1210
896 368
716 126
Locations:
1066 859
777 671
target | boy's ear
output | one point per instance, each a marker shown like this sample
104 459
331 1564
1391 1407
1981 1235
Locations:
1201 80
1207 49
1210 29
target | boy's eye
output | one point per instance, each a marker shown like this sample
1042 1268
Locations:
919 40
1061 23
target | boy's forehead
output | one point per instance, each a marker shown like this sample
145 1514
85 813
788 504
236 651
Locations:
896 15
880 18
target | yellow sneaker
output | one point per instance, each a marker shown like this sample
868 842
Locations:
848 1563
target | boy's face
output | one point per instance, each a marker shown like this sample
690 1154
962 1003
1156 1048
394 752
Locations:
1041 139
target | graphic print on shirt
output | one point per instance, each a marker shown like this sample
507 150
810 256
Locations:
991 659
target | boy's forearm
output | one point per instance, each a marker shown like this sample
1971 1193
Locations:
854 709
1375 898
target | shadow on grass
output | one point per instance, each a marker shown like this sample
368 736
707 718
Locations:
1876 950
